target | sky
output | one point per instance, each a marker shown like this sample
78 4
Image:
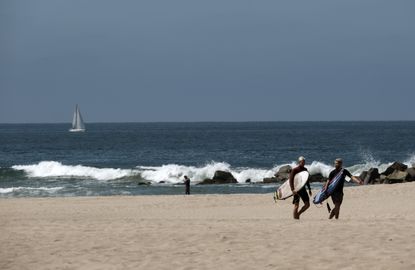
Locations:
216 60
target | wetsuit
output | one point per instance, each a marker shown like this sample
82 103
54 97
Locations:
337 195
187 184
302 193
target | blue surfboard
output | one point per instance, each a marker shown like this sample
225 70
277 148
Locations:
322 195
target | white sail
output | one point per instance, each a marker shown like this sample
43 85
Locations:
74 118
77 121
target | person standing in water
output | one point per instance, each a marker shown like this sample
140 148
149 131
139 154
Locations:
302 193
187 184
337 195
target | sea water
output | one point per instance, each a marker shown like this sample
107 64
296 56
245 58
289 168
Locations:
152 158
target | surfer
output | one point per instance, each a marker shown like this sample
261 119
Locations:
337 195
302 193
187 184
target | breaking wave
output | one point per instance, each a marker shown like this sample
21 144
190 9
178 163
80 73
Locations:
173 173
57 169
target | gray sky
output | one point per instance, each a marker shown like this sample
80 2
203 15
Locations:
216 60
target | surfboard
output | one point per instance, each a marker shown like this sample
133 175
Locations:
284 191
322 195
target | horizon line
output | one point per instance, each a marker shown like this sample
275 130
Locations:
210 121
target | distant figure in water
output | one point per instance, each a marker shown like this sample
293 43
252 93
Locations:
187 184
337 195
302 193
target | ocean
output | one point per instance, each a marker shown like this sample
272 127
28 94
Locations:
44 160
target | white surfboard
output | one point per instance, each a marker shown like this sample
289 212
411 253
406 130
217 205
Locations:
284 191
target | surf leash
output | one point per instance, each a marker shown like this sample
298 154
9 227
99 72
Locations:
328 207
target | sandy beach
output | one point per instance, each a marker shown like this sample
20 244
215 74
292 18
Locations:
375 231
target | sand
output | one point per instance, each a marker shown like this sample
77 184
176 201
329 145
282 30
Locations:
376 230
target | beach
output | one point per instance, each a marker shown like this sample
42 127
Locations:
250 231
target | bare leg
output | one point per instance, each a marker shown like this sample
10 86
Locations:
302 210
336 211
295 212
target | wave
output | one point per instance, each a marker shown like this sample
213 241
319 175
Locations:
173 173
10 173
371 162
410 161
57 169
14 189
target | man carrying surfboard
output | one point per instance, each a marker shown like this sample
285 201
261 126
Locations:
337 194
302 193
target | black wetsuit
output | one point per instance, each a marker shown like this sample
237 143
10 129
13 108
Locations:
187 184
337 195
302 193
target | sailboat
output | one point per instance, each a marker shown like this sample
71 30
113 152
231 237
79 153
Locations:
77 122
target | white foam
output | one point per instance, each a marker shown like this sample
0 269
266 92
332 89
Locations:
174 173
255 175
317 167
369 162
410 162
14 189
57 169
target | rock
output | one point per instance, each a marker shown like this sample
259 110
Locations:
206 181
396 177
382 178
371 175
285 169
317 178
363 175
248 181
269 180
399 166
376 181
220 177
144 183
395 166
283 173
282 177
411 174
224 176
